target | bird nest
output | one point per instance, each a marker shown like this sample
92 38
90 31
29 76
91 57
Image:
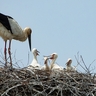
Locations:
27 82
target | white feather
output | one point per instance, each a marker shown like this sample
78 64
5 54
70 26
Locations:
34 64
53 65
46 66
16 29
69 67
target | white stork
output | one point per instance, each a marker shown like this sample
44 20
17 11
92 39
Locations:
35 64
53 65
69 67
46 66
56 70
10 29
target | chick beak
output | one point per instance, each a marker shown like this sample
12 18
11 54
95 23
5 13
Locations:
38 52
68 62
29 39
51 57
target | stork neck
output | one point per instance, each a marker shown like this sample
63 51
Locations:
52 63
25 34
47 67
69 65
35 57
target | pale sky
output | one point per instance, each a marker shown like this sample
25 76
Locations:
62 26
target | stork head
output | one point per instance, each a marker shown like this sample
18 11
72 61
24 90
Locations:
53 56
28 31
69 61
46 59
35 51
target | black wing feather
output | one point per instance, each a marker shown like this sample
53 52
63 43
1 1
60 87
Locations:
5 22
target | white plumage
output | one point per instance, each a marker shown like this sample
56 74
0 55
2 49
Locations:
68 65
10 29
46 67
56 70
53 65
35 64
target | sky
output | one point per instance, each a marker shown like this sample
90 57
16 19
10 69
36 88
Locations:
66 27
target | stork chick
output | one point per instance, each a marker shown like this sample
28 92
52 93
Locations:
54 66
46 66
68 65
35 63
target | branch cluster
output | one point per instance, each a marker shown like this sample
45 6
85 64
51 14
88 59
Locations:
25 82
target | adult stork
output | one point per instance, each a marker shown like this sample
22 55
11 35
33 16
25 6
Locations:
10 29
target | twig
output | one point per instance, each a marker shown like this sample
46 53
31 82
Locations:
91 63
28 59
84 63
80 64
10 89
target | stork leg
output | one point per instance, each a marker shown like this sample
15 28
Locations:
10 52
5 54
